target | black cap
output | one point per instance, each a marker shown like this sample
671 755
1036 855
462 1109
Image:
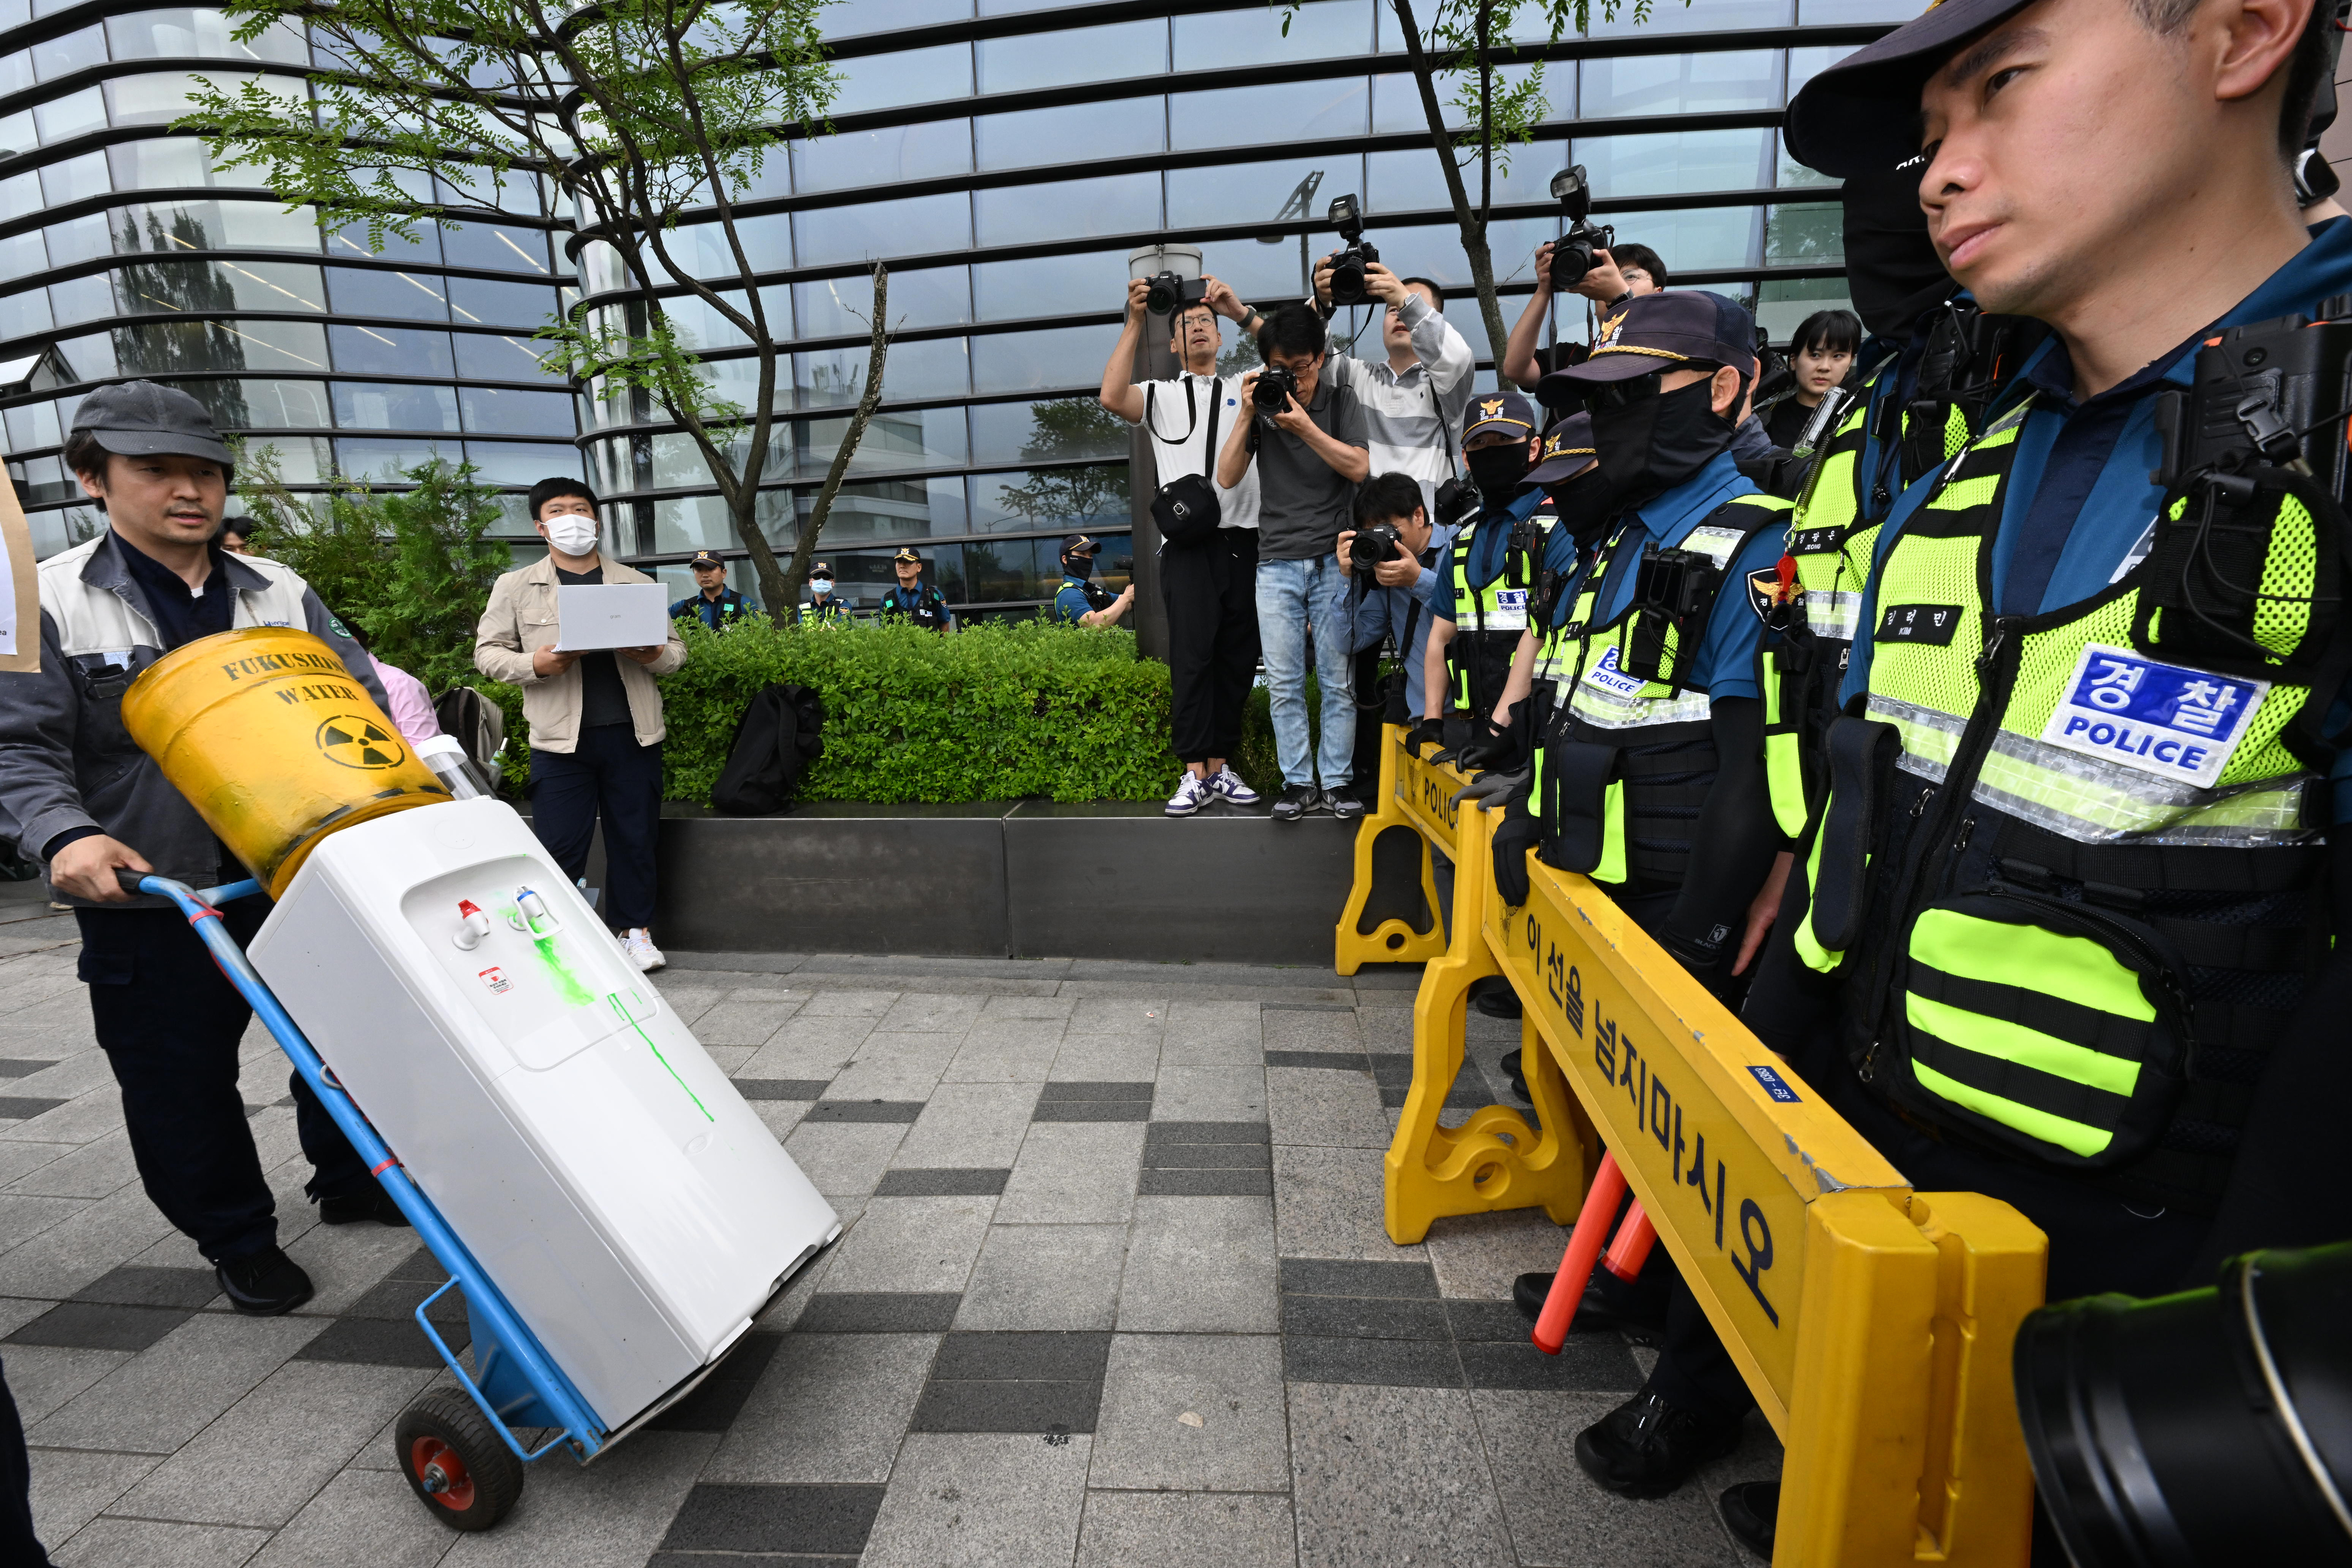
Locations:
1568 449
1863 113
1659 331
1078 544
704 561
818 569
140 419
1506 412
908 555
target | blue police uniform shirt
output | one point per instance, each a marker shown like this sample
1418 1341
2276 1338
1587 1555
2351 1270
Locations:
1070 601
914 604
712 612
2080 500
1726 663
1486 547
1384 612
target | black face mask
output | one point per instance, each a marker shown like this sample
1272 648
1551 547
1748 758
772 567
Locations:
1653 444
1081 566
1498 471
1582 504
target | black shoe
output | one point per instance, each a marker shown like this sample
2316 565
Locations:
1648 1448
1502 1002
1343 804
1512 1064
1594 1315
262 1285
1295 802
352 1207
1750 1512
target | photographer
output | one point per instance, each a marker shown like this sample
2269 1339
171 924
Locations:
1415 396
1210 588
1617 276
1306 438
1394 553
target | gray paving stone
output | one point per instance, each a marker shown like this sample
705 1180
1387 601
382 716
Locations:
897 1065
611 1514
727 1059
1046 1277
811 1045
346 1261
275 1447
70 1077
1210 1094
969 1126
20 1160
1478 1255
1199 1265
1185 1530
62 1259
176 1387
1297 1029
1231 1385
1106 1058
23 1215
932 1011
1326 1108
93 1170
154 1544
43 1377
1143 1017
90 1115
980 1500
72 1486
1559 1517
1022 1007
1072 1173
845 1002
1007 1049
1329 1205
911 1244
844 1158
1212 1033
829 1408
362 1516
743 1023
1393 1476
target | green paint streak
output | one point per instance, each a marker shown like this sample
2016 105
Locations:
567 986
623 1014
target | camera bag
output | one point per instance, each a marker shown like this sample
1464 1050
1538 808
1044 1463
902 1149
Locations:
1187 509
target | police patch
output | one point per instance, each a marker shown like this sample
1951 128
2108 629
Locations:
2169 720
1764 591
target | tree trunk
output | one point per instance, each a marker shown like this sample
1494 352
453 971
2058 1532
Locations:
805 549
1474 227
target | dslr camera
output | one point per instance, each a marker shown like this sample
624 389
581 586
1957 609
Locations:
1347 266
1572 253
1274 387
1374 543
1166 293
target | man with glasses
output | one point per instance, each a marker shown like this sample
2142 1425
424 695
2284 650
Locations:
1415 395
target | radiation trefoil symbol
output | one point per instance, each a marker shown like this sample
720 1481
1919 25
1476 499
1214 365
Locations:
354 741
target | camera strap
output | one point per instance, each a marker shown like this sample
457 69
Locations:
1191 414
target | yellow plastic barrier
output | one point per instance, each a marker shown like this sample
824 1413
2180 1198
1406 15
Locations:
1391 915
274 742
1873 1323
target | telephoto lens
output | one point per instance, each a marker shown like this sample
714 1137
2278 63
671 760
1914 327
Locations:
2208 1428
1274 389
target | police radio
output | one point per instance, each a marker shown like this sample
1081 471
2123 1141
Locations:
2245 564
1672 592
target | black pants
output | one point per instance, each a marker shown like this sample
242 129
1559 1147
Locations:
1211 593
170 1022
18 1544
611 776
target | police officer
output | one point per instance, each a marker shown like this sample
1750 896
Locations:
1081 601
914 600
717 605
75 790
2160 911
822 607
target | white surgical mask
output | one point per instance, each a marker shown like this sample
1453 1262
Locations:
572 533
821 584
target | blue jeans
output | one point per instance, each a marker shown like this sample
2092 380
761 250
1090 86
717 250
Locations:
1293 598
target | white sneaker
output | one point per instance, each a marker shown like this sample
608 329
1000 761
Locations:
638 944
1190 792
1228 784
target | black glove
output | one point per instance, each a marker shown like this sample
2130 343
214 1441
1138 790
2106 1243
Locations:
1491 746
1518 833
1428 732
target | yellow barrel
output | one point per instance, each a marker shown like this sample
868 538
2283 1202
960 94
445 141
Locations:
274 742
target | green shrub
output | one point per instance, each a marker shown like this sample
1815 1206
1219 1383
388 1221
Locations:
993 713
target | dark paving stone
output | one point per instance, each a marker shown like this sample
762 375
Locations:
1463 1096
865 1111
1587 1362
380 1342
100 1325
1158 1183
1047 1407
24 1107
1499 1323
946 1182
1166 1133
750 1559
396 1300
1056 1093
879 1311
1363 1317
718 1398
1391 1066
1331 1277
137 1285
1388 1362
781 1088
1093 1111
1207 1156
11 1067
832 1520
1337 1061
1067 1354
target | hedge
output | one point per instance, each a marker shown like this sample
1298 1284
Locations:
993 713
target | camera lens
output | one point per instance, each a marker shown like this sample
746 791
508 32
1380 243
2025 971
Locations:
1572 259
1348 279
1164 293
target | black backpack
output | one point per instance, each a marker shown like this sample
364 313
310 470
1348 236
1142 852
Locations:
776 739
476 723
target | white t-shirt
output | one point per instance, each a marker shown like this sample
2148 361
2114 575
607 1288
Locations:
1165 418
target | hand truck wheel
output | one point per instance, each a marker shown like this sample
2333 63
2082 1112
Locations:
457 1462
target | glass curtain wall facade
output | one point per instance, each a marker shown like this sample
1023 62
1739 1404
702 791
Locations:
1002 157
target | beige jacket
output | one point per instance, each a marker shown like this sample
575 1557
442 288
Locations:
520 618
